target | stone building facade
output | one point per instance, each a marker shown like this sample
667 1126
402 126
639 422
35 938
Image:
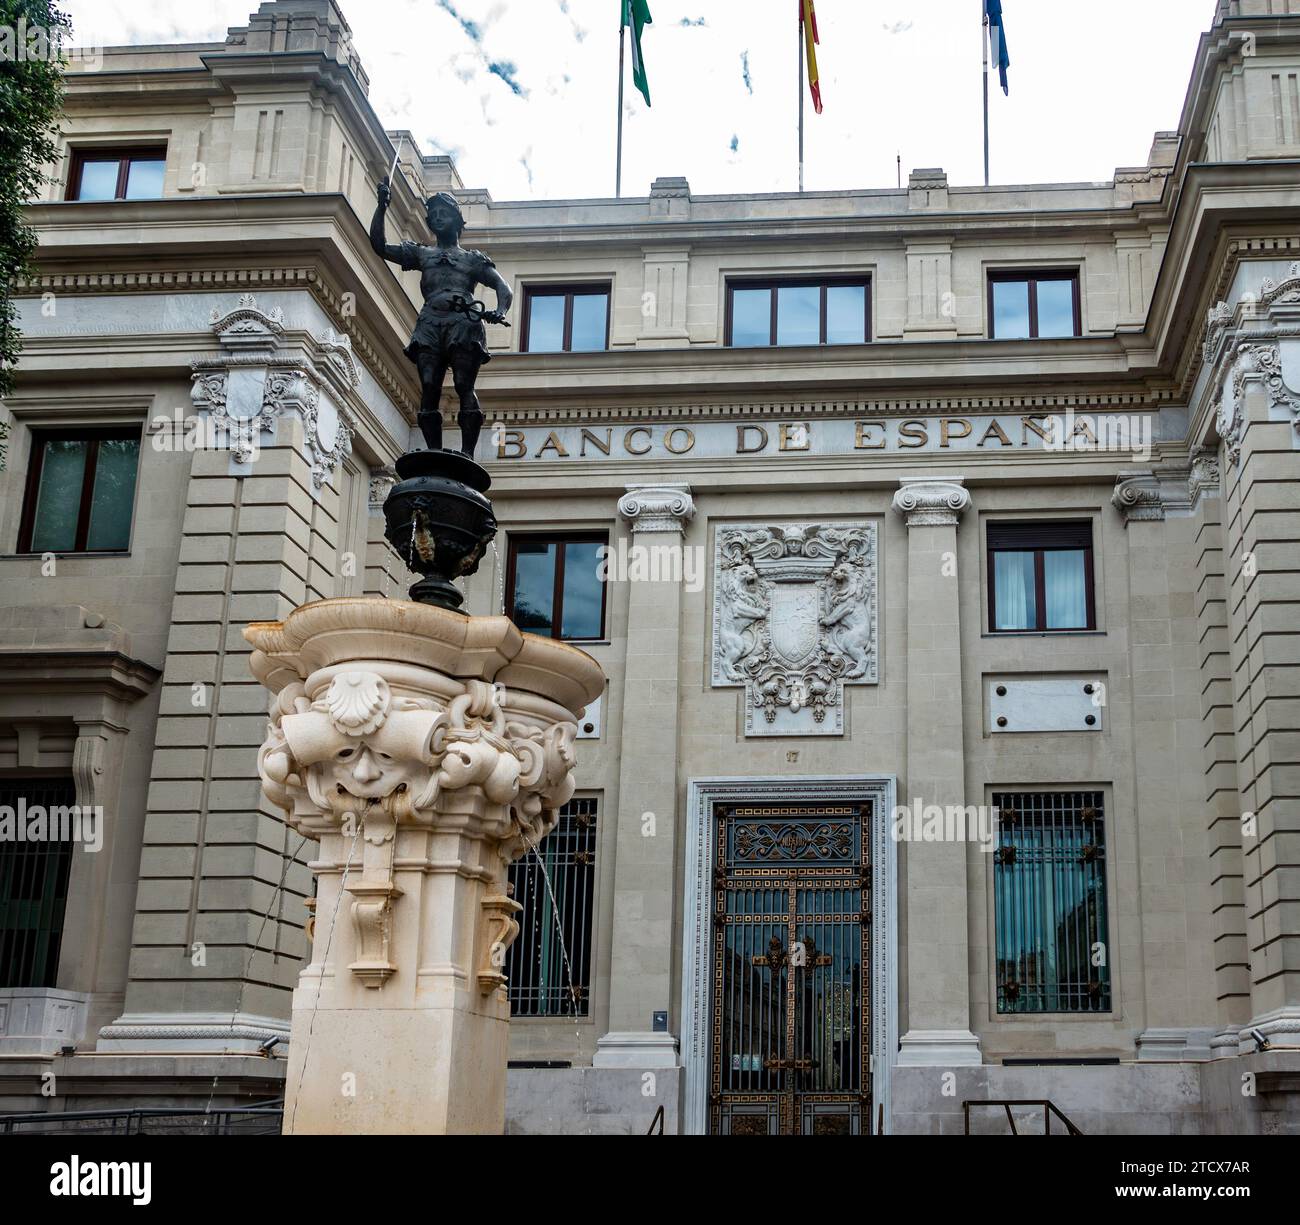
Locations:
1022 537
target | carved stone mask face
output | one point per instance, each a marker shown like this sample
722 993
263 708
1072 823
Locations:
365 772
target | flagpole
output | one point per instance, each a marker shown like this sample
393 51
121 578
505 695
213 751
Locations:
798 42
618 162
984 38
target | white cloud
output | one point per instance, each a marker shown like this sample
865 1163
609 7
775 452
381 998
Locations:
1087 90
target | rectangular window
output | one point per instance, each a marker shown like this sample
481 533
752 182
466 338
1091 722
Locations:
1032 305
80 491
555 585
549 963
1049 889
816 311
1040 576
33 884
566 319
117 174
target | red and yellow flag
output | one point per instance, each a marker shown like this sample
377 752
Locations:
808 20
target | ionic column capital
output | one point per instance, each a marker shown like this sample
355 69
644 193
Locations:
924 502
1138 498
657 508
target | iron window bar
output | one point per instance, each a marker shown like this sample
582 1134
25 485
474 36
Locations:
1050 906
537 977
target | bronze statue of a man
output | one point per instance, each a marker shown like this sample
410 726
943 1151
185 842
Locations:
449 332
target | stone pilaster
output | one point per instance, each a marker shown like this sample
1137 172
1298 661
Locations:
1218 791
220 911
641 982
1164 673
1253 351
938 973
385 572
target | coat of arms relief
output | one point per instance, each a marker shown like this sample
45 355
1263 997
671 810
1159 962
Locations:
794 620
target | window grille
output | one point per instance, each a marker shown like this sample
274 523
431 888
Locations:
539 983
1049 883
33 885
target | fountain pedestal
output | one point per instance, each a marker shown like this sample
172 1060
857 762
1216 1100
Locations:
425 750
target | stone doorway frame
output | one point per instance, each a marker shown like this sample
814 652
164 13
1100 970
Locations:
697 925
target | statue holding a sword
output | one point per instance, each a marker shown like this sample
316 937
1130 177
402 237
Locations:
449 333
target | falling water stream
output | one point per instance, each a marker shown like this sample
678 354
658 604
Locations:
500 605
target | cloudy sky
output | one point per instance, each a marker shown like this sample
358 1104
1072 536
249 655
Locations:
523 92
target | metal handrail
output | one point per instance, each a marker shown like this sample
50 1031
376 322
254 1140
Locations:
657 1121
133 1121
1049 1109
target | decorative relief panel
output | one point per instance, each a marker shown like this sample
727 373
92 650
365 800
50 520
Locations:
794 620
256 379
1255 341
364 757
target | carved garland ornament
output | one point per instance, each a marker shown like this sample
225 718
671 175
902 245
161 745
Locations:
794 620
359 756
1286 290
1262 361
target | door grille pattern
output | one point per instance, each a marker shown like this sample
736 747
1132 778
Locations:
790 1024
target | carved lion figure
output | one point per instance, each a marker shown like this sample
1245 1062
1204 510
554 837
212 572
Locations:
848 618
744 597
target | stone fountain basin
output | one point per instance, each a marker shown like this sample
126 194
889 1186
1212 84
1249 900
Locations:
363 631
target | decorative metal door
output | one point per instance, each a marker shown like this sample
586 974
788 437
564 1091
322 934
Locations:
791 970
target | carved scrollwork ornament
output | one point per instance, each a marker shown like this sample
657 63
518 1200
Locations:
1203 479
1138 497
359 752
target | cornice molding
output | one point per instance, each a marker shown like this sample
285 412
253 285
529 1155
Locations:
229 280
76 670
1204 223
631 411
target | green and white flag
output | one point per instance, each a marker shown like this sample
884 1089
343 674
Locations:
636 13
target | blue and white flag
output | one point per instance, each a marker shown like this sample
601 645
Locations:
998 37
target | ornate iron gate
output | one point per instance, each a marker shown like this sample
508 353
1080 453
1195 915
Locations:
791 970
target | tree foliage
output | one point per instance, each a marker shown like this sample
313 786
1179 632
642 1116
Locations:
33 34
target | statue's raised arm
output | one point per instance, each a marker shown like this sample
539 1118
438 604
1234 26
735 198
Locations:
383 249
